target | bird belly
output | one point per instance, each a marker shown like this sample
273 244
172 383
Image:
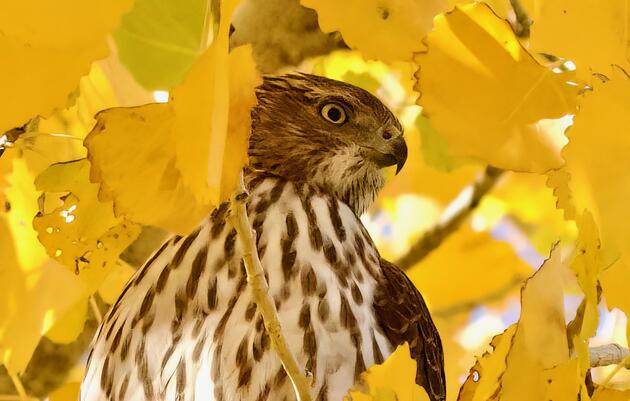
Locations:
187 328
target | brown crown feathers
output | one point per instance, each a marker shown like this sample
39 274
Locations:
327 133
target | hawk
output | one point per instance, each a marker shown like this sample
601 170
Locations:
186 327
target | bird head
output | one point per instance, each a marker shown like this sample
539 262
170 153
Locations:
327 133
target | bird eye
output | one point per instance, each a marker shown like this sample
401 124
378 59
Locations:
334 113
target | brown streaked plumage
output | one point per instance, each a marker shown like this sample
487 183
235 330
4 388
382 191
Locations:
404 317
186 328
290 138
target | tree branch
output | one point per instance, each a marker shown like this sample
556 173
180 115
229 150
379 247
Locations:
624 362
609 354
260 292
454 215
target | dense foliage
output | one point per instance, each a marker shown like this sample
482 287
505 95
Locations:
124 120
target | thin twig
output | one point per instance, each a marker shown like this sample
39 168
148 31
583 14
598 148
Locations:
95 309
454 215
621 364
260 292
17 383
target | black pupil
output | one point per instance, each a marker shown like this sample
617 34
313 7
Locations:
334 114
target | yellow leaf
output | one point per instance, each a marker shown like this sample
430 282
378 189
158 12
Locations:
491 266
201 105
563 382
487 95
610 394
68 327
115 282
83 232
457 358
388 30
587 266
528 202
502 8
597 163
38 295
58 138
212 120
391 82
67 392
558 180
484 379
243 80
614 281
22 196
46 46
32 299
6 165
132 156
591 33
540 341
94 94
185 156
393 380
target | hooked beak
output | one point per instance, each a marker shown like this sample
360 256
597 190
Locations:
400 153
396 154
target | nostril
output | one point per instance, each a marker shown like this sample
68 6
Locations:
387 135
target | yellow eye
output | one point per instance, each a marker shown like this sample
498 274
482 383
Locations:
334 113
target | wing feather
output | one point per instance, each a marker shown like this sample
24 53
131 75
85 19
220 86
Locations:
403 316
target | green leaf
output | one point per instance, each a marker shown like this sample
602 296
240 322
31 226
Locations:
159 40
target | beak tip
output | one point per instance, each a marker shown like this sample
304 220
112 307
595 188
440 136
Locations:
396 154
401 155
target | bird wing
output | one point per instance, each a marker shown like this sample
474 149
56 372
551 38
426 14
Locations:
403 316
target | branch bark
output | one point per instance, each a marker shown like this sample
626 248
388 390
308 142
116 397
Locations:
454 215
609 354
260 292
